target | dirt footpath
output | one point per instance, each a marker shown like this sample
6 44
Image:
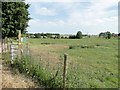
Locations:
12 80
0 75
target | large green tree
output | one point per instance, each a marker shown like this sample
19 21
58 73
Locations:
15 16
79 35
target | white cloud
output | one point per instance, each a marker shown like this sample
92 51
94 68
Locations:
55 26
110 19
99 20
96 14
45 11
42 10
38 22
95 18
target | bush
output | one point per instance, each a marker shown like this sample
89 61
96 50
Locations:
71 47
72 37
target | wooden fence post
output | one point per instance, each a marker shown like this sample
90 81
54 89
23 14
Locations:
2 45
64 70
19 37
19 44
11 52
6 44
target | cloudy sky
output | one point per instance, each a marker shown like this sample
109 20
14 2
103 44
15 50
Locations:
70 16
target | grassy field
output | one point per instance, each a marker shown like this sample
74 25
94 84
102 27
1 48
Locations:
92 62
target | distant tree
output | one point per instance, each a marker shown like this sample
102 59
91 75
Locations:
42 34
62 37
113 34
32 36
37 35
65 37
101 34
89 36
85 35
108 35
48 35
58 36
79 35
72 37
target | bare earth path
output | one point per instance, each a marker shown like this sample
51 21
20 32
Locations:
11 80
8 79
0 73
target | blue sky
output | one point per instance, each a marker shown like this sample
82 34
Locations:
70 16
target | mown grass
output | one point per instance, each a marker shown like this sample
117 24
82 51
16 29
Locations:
92 62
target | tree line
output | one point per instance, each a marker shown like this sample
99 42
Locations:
44 35
108 35
78 35
55 35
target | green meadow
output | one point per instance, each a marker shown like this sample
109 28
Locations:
91 63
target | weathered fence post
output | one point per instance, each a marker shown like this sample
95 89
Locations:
0 45
3 45
6 44
11 52
19 37
19 44
64 70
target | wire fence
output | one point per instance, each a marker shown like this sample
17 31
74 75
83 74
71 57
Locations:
48 68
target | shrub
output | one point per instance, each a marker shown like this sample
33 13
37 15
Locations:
71 47
72 37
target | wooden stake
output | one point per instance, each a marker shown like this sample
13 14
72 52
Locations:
19 44
19 37
64 70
